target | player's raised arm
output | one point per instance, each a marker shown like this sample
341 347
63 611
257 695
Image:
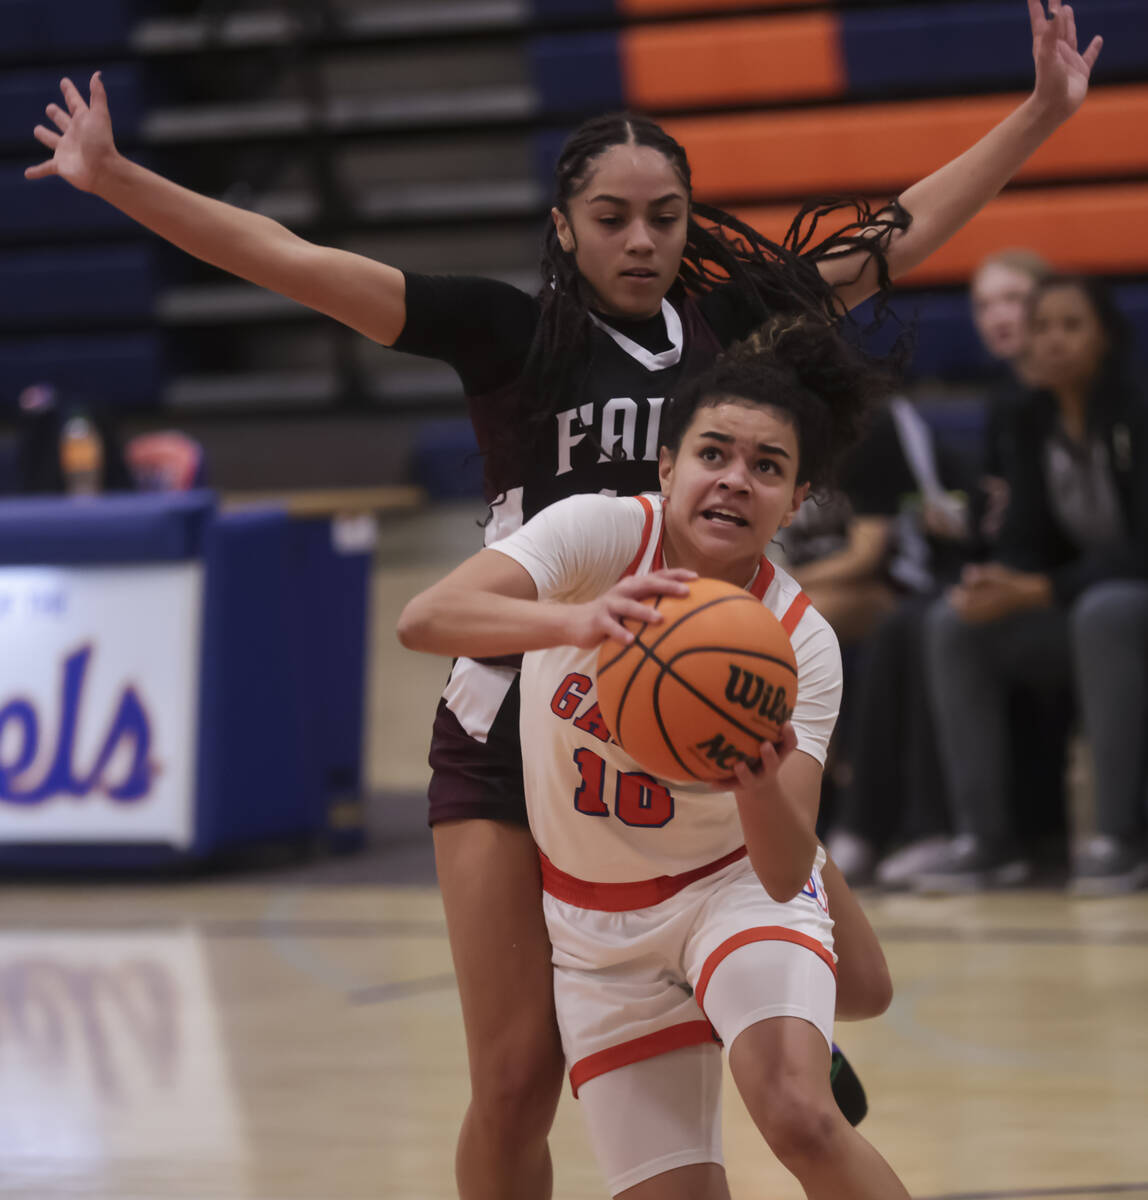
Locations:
368 296
952 195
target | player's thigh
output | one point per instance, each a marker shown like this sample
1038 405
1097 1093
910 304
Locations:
864 986
492 893
655 1125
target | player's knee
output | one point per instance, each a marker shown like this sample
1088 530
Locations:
800 1125
515 1093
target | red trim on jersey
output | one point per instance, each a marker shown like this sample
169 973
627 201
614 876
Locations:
649 525
623 897
764 577
662 1041
763 933
795 612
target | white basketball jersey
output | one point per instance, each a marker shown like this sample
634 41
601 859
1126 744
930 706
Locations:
594 812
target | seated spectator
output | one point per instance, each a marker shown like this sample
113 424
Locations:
999 294
892 794
1076 523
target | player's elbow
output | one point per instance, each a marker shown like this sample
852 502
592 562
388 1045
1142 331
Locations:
416 625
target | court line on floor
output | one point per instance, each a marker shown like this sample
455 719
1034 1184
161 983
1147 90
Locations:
1084 1193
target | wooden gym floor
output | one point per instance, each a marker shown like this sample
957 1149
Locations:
292 1032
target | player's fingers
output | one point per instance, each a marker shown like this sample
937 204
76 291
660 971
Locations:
632 610
1069 26
614 631
72 97
1036 16
1093 52
49 137
98 92
1053 7
41 170
62 119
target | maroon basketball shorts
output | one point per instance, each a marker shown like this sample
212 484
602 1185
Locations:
473 779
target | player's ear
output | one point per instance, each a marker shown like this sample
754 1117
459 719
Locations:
565 234
800 494
666 459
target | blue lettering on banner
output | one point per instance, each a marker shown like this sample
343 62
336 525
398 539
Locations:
130 725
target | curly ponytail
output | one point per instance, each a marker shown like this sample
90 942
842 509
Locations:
802 367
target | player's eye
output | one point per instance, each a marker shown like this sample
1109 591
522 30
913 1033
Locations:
609 221
710 454
767 465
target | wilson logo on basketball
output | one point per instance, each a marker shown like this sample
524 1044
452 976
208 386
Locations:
753 692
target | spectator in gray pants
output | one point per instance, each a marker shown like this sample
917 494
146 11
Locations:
1070 578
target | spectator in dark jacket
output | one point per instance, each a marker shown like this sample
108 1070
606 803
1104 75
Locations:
1069 577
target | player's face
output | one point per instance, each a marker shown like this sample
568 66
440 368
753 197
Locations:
1068 340
729 488
627 229
1000 297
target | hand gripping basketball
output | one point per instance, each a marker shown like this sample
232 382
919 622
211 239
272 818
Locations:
699 692
616 613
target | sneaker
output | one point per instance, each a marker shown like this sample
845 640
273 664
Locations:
853 855
901 868
973 865
1106 866
847 1089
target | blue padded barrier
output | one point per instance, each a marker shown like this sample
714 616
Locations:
328 636
575 73
65 26
104 283
25 94
50 207
117 528
123 369
955 46
251 781
445 461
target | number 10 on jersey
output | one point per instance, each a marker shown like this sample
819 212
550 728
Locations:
638 799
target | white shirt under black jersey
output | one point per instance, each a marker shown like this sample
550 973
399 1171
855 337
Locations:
593 812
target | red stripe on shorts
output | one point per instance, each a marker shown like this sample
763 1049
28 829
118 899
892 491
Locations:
676 1037
624 897
763 933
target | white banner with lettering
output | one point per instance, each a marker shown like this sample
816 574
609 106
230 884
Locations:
99 690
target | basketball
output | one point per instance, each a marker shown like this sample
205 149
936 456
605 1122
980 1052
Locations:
702 689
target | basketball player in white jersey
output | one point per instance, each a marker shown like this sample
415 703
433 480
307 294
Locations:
561 406
681 917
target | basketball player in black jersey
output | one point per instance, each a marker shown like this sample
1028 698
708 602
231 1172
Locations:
566 391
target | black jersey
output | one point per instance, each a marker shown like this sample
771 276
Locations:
484 330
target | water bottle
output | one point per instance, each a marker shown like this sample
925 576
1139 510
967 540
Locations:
81 456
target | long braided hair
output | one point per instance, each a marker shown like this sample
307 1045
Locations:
773 279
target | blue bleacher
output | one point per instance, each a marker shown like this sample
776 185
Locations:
50 208
116 369
952 47
34 27
25 94
53 287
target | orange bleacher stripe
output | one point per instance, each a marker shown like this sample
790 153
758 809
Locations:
892 145
732 62
661 8
1099 229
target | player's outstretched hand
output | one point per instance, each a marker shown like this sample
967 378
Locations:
82 144
592 624
1062 71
